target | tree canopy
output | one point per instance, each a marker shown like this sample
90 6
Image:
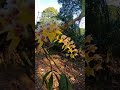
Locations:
49 13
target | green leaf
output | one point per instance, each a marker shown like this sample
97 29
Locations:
64 83
50 83
45 76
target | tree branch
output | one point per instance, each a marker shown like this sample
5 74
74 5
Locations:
66 25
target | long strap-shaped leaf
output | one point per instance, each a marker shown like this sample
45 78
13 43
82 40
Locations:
64 83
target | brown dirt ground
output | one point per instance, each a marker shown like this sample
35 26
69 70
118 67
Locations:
74 71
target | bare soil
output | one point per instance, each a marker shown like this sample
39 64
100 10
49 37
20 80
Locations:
74 69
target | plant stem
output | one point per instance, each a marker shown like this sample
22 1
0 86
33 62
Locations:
47 58
51 59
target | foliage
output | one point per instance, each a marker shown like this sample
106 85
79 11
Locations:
48 14
69 8
64 83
